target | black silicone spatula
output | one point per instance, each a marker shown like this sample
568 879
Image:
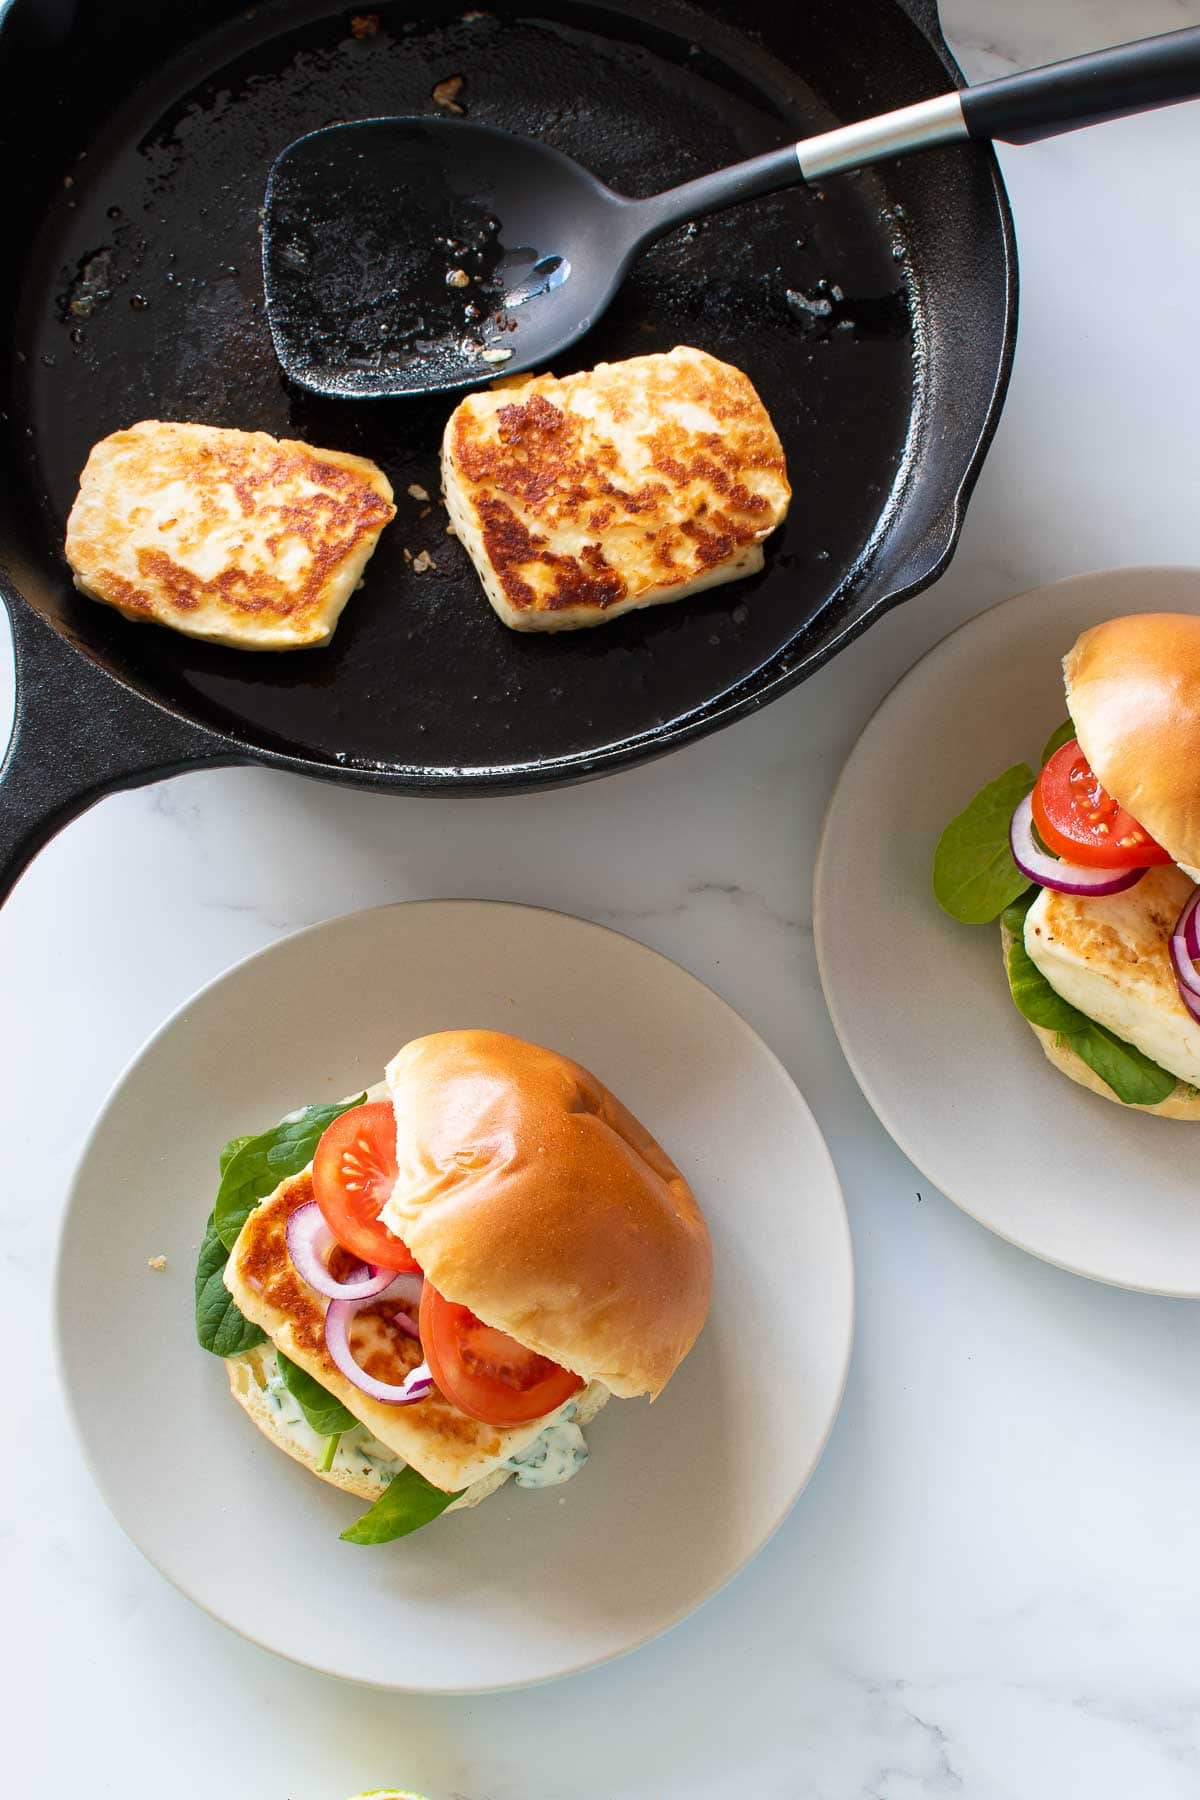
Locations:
404 255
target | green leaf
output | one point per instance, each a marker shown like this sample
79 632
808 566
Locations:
326 1462
230 1150
1013 916
220 1326
326 1414
1131 1075
407 1503
1063 735
1032 994
260 1163
974 875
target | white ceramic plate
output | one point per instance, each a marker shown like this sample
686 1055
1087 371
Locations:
921 1004
676 1497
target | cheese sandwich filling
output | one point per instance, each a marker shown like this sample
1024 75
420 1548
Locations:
557 1453
449 1449
627 485
234 536
1108 956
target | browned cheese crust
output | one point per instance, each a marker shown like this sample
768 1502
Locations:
630 484
235 536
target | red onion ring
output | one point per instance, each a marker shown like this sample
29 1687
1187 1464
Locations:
1063 877
309 1241
1191 931
417 1384
1183 956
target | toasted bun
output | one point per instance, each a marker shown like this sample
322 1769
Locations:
249 1374
1182 1104
1133 689
527 1192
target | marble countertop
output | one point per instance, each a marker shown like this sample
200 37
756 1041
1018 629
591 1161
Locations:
991 1586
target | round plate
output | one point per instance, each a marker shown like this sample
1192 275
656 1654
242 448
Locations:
921 1004
531 1584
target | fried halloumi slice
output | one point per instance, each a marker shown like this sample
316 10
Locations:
1108 955
235 536
442 1444
361 1464
628 485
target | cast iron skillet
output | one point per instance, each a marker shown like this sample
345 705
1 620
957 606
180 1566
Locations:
876 318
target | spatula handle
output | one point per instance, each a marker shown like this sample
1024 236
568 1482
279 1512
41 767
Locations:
1062 96
1086 90
1020 109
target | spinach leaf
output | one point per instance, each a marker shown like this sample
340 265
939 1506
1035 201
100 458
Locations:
230 1150
220 1326
326 1414
261 1163
407 1503
331 1444
1032 994
1130 1074
974 875
1013 918
1063 735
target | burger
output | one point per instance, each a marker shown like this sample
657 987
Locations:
1091 865
432 1288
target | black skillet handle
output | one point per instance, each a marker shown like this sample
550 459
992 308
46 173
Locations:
1086 90
77 736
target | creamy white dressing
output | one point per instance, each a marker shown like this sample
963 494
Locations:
558 1452
357 1453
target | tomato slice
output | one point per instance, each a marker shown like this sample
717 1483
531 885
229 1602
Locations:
354 1172
484 1372
1080 821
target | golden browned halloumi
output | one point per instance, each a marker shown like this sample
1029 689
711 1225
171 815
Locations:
248 540
441 1443
630 484
1109 956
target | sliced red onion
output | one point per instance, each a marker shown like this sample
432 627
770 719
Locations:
1191 930
417 1384
1183 956
1063 877
407 1325
309 1241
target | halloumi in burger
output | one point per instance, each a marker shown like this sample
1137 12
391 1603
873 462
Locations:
1092 864
451 1277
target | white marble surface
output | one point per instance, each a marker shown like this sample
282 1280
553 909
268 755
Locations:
992 1585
